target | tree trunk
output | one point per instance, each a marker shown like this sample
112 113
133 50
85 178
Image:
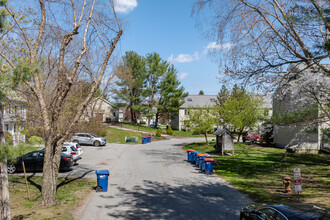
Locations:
157 117
4 188
207 142
4 192
50 173
239 135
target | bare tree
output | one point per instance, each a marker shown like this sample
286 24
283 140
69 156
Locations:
261 42
80 37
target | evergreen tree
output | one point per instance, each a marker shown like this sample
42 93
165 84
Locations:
131 81
171 94
156 68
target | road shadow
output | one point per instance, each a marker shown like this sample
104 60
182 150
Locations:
154 200
68 180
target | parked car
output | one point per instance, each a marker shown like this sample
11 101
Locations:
89 139
77 146
70 150
284 212
252 136
34 161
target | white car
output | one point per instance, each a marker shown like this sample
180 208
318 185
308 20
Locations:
69 149
77 146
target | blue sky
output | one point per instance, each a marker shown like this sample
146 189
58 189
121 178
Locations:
168 28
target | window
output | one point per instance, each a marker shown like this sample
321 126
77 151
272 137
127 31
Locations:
64 149
41 154
189 99
186 111
114 114
212 99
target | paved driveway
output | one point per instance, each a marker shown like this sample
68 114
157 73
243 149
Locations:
154 181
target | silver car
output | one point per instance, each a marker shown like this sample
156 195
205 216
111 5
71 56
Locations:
70 150
88 138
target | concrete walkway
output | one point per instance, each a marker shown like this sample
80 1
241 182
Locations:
154 181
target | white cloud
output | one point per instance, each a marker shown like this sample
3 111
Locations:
183 75
184 58
125 6
213 46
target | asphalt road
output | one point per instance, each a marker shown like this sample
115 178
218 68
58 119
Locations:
154 181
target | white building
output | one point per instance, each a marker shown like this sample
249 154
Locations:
191 102
15 117
102 111
300 136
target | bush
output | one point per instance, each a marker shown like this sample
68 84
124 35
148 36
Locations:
9 138
169 130
92 126
108 120
34 140
33 131
159 132
142 123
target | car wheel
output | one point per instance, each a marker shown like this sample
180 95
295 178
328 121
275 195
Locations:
76 141
11 168
96 143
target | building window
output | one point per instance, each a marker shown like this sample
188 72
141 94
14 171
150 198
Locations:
189 99
114 114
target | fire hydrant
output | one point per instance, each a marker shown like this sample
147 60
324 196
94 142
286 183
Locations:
287 184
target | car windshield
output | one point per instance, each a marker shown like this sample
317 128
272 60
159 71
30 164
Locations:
73 148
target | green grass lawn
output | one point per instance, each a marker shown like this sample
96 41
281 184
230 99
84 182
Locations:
70 194
163 127
118 136
259 171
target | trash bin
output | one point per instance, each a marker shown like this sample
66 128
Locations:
202 162
102 180
200 158
189 154
134 139
149 139
209 165
144 140
194 156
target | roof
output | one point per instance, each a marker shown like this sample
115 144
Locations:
220 132
193 101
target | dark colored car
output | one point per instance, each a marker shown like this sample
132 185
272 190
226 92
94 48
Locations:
284 212
34 161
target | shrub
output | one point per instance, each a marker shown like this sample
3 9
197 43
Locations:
92 126
34 140
8 138
169 130
142 122
159 132
108 120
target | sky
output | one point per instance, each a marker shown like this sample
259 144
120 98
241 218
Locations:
168 28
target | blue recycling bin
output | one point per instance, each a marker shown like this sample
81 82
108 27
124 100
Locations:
102 180
144 140
189 155
198 158
209 162
202 162
194 156
201 159
149 139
